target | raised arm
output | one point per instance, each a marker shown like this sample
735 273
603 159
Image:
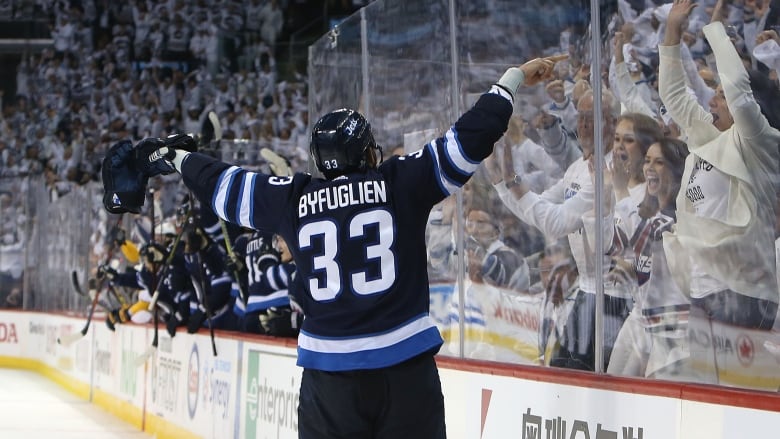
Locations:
748 120
683 107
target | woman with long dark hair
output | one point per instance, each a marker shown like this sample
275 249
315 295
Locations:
653 340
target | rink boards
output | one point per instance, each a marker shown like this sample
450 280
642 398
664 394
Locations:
250 389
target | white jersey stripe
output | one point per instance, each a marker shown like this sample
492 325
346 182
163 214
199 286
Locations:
255 301
223 186
454 151
447 185
269 275
348 345
245 206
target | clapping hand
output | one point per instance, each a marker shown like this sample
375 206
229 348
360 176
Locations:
619 173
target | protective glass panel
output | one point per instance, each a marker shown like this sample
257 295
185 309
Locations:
684 233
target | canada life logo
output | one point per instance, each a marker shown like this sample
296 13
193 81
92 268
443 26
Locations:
193 381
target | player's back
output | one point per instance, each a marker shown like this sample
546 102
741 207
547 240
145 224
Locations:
361 260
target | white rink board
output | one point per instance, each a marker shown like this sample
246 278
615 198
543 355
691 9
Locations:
497 407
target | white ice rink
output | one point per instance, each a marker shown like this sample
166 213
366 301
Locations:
33 407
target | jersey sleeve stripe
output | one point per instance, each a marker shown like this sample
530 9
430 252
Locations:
452 172
270 276
259 303
246 204
224 184
241 186
283 276
214 230
447 187
455 154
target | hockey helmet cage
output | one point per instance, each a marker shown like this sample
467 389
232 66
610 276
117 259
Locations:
339 141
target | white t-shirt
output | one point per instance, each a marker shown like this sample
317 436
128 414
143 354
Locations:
708 191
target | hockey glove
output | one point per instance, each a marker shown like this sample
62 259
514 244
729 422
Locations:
154 253
120 315
281 321
195 321
181 141
124 187
250 323
106 271
152 157
110 322
234 265
174 321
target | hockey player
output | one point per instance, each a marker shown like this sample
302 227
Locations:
212 303
267 272
282 317
358 240
174 289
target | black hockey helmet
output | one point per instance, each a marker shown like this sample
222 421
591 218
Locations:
340 141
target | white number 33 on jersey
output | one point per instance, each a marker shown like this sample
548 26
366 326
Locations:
377 252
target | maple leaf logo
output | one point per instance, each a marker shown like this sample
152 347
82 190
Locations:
745 350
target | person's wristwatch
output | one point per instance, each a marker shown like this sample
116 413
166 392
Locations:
514 182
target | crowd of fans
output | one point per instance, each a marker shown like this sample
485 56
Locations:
528 216
139 69
146 69
672 267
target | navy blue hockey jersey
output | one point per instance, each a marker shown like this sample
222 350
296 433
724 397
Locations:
358 241
266 277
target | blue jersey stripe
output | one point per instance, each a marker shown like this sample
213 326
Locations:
447 186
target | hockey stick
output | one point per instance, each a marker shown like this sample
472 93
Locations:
168 260
279 166
153 307
69 339
205 302
74 279
156 281
217 127
232 256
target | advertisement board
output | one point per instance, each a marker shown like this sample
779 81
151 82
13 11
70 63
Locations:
269 397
